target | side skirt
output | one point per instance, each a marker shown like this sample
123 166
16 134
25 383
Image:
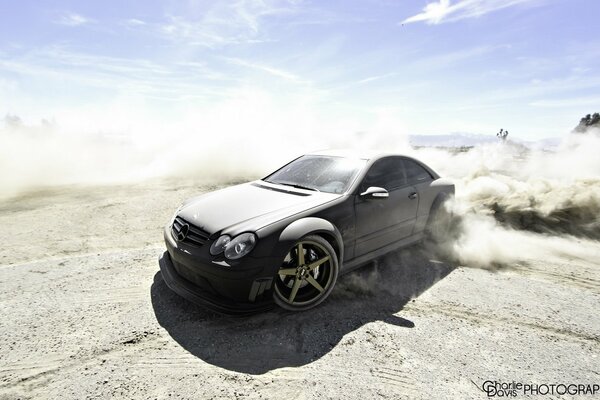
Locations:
358 262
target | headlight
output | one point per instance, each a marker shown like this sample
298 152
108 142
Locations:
240 246
219 245
236 248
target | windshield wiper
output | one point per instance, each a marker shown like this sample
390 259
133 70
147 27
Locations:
295 185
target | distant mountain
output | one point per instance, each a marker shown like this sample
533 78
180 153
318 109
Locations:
463 139
457 139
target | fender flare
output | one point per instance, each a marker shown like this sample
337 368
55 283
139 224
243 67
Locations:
312 225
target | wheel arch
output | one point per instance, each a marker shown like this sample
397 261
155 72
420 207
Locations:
315 226
440 199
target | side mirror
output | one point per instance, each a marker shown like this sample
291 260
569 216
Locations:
375 192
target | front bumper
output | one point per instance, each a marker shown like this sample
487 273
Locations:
205 298
242 288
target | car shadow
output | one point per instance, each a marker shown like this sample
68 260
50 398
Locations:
275 339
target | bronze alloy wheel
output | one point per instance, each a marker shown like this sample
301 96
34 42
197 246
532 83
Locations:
307 275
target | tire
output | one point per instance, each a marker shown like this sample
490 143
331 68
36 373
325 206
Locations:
439 223
304 282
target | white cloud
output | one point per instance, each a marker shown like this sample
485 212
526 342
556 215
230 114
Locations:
226 23
443 60
433 13
268 69
72 19
584 101
445 11
134 22
171 81
375 78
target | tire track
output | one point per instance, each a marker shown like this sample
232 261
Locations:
580 282
34 374
112 295
463 313
78 255
393 376
169 362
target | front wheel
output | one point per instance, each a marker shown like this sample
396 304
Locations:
307 275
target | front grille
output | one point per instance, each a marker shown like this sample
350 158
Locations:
195 236
191 275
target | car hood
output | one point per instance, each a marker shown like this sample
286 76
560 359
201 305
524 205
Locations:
249 206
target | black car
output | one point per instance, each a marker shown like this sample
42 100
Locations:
287 237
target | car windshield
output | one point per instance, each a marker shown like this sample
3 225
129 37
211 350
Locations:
322 173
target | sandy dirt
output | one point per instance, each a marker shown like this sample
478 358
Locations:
84 313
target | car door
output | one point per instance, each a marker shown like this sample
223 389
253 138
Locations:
418 177
383 221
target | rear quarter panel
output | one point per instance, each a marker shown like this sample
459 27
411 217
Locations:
428 193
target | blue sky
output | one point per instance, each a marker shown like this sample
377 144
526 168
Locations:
420 66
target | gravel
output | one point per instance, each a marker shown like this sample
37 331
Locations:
84 313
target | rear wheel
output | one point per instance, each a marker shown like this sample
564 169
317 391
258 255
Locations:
307 275
440 219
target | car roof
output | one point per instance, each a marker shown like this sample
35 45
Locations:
369 155
365 154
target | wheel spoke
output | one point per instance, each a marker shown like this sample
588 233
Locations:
287 271
314 282
300 254
294 290
317 263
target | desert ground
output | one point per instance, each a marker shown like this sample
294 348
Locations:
85 314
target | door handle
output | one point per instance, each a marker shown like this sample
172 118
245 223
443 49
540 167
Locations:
413 195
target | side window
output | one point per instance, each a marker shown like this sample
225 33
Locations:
387 173
415 173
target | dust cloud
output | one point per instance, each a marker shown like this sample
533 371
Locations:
512 202
515 204
244 136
